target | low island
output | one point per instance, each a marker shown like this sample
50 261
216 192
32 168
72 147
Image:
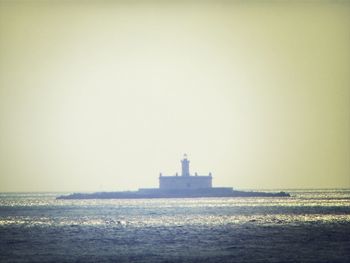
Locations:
184 186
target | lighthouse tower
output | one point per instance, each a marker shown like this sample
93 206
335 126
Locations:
185 163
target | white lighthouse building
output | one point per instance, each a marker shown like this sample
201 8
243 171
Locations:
186 180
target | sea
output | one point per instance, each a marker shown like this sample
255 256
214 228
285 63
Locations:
309 226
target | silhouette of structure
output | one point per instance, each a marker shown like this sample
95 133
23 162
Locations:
183 186
186 180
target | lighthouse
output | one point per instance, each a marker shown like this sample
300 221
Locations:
186 181
185 166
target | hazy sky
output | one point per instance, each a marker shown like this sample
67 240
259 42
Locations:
104 95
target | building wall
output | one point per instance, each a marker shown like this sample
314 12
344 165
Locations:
185 182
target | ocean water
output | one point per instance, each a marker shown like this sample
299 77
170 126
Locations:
310 226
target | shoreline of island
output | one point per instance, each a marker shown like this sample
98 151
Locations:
157 193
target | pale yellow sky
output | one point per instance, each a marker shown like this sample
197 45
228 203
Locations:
104 95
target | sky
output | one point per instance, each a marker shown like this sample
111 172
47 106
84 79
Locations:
105 95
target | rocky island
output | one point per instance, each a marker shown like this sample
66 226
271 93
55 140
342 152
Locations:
184 186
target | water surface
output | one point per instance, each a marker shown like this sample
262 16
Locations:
310 226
